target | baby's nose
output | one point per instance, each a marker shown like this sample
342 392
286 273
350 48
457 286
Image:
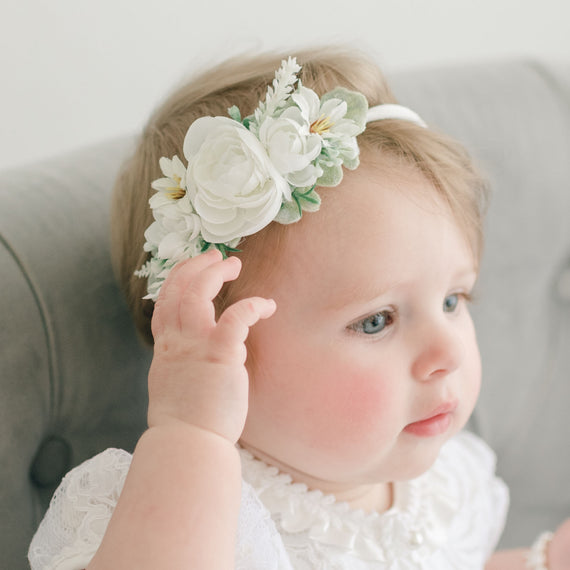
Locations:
440 352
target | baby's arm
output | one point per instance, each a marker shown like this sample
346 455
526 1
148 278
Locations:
557 554
180 503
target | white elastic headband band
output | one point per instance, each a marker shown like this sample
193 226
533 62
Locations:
390 111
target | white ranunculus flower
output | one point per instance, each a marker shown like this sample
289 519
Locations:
292 147
230 179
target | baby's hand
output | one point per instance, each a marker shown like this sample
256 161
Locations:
198 373
559 548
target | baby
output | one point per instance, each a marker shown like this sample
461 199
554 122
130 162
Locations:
305 279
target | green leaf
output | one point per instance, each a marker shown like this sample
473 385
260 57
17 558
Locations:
235 113
308 201
289 213
351 164
225 249
332 175
311 199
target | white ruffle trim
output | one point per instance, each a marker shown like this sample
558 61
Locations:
416 526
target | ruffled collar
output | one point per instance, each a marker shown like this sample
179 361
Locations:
414 527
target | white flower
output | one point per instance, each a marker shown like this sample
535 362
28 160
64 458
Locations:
292 148
338 117
174 182
175 215
175 222
230 180
175 246
325 116
173 236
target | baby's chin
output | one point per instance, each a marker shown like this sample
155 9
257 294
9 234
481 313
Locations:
414 460
421 458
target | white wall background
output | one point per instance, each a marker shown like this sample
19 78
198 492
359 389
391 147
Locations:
77 71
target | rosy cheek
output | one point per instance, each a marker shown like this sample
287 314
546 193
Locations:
353 408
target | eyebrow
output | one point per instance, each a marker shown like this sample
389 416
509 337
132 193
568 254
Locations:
360 294
364 293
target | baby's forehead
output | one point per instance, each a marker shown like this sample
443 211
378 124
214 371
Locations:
373 219
365 199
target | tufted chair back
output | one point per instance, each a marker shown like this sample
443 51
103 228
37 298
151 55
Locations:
73 375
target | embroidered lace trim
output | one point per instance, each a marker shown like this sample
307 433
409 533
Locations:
417 526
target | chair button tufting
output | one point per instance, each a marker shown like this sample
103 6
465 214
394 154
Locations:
51 463
563 285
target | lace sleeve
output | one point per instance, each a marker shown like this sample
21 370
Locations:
79 512
259 545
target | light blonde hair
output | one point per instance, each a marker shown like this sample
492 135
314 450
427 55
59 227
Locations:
243 82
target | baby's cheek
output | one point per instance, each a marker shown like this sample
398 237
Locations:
354 409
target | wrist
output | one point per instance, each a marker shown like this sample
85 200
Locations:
177 431
537 557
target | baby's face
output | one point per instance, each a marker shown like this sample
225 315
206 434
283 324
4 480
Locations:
370 363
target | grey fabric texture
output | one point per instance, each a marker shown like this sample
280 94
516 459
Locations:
73 374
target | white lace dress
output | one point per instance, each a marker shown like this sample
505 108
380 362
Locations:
449 518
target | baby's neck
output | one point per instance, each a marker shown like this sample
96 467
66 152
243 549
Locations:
370 498
377 497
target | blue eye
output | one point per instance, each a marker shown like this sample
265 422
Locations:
450 303
374 324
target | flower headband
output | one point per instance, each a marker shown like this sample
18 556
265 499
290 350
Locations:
244 173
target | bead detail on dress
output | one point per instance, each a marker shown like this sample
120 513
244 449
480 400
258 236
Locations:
416 539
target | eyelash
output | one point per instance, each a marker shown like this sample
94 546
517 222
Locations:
465 296
389 315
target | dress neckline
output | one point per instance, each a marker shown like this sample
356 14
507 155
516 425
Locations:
415 525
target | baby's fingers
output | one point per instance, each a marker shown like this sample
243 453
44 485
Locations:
234 324
167 308
197 314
